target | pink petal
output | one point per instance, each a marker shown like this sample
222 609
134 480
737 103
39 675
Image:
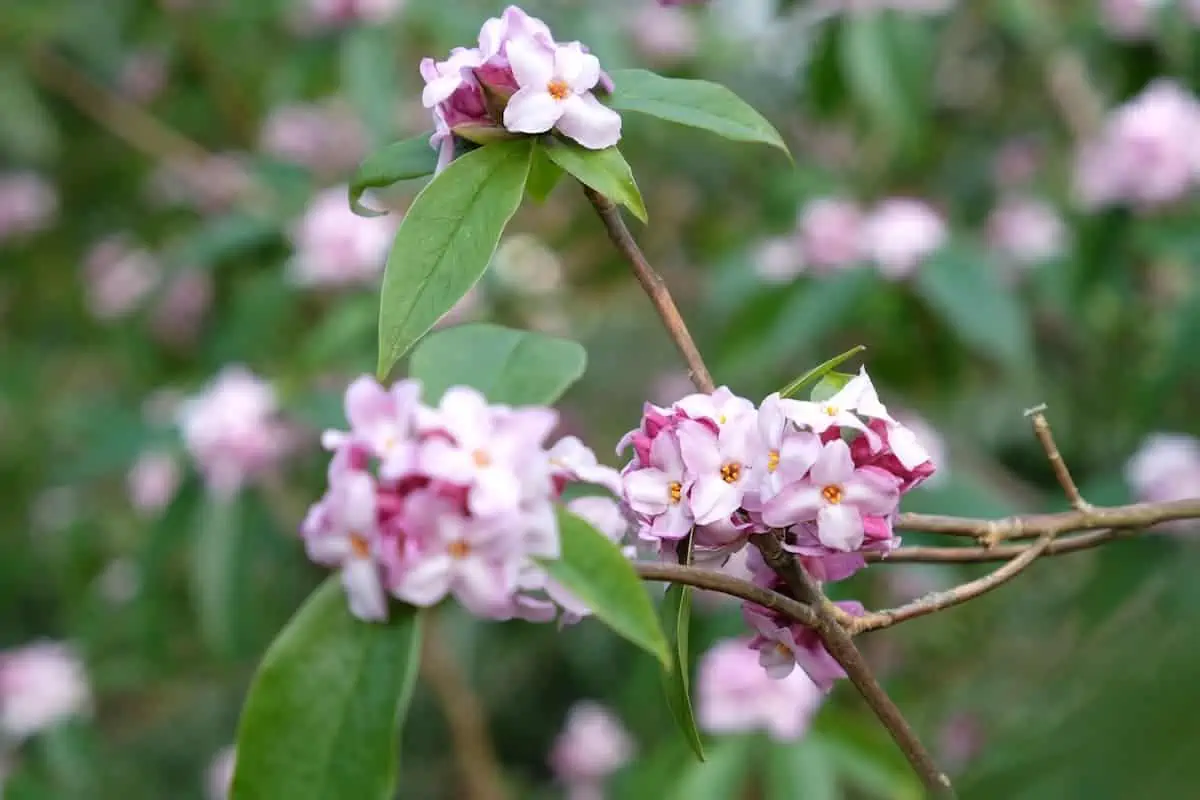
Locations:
647 491
712 500
797 454
796 502
466 415
480 587
872 491
367 404
840 528
532 110
834 465
532 65
589 122
700 448
427 581
360 577
580 70
356 503
675 523
496 491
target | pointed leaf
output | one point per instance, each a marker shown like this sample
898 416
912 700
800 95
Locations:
830 384
322 717
544 175
698 104
606 171
819 371
399 161
595 571
508 366
723 776
446 240
677 619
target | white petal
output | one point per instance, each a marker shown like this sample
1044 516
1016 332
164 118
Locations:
713 500
360 577
589 122
580 70
427 582
328 549
840 528
532 110
439 89
834 465
647 491
532 64
357 503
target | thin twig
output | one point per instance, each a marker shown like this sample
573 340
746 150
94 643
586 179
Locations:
838 642
654 286
982 555
1041 429
479 770
727 584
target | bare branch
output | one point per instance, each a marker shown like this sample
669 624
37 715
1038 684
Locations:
1041 429
654 286
980 555
714 581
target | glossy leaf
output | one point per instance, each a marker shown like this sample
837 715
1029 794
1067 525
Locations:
508 366
606 171
544 175
595 571
966 290
445 242
677 618
819 371
697 104
399 161
322 717
830 384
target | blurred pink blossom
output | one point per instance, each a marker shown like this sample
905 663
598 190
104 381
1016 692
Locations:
28 204
324 137
1027 230
734 694
900 233
904 6
208 186
231 431
664 35
592 746
319 15
1165 468
218 781
1131 20
153 482
779 259
41 685
336 247
117 277
1016 162
831 232
181 307
1147 153
960 741
143 76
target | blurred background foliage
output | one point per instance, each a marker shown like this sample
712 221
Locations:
150 125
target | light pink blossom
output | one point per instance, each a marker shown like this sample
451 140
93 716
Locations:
735 695
1165 468
1131 20
657 491
334 247
831 234
900 233
118 276
555 91
323 137
592 746
1027 230
41 686
153 482
721 465
28 204
319 15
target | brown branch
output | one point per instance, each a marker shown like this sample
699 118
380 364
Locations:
654 286
981 555
477 764
1041 429
1135 515
727 584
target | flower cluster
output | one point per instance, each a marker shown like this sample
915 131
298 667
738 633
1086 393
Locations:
326 137
454 500
592 746
829 475
41 685
519 80
833 234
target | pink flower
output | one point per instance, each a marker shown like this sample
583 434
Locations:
573 461
41 685
180 308
720 407
855 400
219 779
1027 230
900 233
788 452
779 259
1131 20
555 91
838 496
28 204
657 491
831 233
326 14
231 431
381 423
325 138
153 482
335 247
735 695
783 645
1165 468
118 277
664 35
592 745
721 465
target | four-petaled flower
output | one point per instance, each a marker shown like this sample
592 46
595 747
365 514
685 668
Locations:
555 90
657 491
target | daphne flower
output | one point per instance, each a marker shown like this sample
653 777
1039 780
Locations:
555 90
657 491
722 465
572 460
735 695
592 745
381 421
334 247
854 400
782 646
837 496
720 406
41 685
787 453
444 78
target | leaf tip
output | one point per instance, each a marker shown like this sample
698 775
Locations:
358 208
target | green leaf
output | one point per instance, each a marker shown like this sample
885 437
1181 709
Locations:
869 67
593 569
446 240
606 171
508 366
399 161
216 576
965 289
830 384
677 618
368 78
324 710
799 769
544 175
220 238
820 371
723 775
698 104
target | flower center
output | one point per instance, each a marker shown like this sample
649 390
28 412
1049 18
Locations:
772 461
458 549
675 491
481 458
831 410
731 472
721 420
359 546
832 494
558 89
782 649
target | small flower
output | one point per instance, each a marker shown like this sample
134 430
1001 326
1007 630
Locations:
844 409
592 745
555 91
722 465
1166 467
1026 230
719 407
782 646
900 233
153 482
830 230
657 491
788 453
837 496
735 695
572 460
381 421
41 685
323 137
28 204
118 276
334 247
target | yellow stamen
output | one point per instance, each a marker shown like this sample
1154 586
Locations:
832 494
772 461
359 546
558 89
458 549
481 458
730 473
675 491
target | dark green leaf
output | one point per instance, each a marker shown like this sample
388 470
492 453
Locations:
323 713
508 366
446 240
544 175
399 161
965 288
606 171
819 371
595 571
698 104
677 622
830 384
